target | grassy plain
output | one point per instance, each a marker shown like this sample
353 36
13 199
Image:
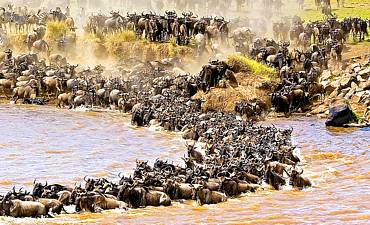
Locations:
354 8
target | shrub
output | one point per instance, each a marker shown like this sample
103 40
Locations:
56 30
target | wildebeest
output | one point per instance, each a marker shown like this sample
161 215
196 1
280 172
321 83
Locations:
41 46
140 197
18 208
296 180
205 196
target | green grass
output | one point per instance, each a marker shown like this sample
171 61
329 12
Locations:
249 65
354 8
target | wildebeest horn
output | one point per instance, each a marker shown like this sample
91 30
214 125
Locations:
85 178
287 172
46 184
301 172
119 175
34 181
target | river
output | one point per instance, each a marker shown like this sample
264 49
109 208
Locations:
63 146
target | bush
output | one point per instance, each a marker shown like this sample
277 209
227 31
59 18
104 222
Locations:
56 30
123 36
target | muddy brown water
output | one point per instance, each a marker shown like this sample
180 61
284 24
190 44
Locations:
63 146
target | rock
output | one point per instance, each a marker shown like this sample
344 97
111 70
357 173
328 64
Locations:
365 74
367 62
365 85
360 79
346 90
355 98
354 65
345 82
326 75
328 89
340 113
336 73
356 57
334 93
349 94
360 94
325 83
357 69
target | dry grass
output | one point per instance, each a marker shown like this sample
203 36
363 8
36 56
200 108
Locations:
147 50
124 45
18 42
55 30
117 38
224 99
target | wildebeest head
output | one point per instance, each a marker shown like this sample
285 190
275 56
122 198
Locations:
38 188
84 202
170 188
90 184
6 204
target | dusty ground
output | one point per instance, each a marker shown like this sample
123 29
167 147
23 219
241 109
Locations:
224 99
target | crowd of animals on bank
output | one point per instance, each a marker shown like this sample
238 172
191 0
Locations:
20 19
315 46
300 51
225 156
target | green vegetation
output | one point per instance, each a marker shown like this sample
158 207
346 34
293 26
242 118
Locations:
355 118
244 64
354 8
56 30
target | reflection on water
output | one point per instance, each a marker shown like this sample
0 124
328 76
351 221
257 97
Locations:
63 146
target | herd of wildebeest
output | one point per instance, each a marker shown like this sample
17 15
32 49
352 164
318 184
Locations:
226 155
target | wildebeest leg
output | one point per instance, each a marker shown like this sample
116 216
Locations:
15 99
